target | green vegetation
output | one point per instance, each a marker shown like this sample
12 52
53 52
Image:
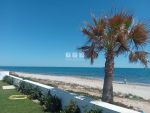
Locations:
8 80
30 90
16 106
50 103
72 108
95 111
25 88
35 93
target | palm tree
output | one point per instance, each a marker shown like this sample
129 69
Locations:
115 35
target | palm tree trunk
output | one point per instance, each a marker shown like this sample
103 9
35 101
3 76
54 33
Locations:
108 87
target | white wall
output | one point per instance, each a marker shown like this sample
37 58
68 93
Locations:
82 101
3 73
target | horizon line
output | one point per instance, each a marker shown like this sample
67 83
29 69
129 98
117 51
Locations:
73 67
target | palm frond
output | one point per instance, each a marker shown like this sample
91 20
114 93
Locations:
120 20
88 33
122 40
139 35
89 52
95 31
120 50
117 34
141 56
94 20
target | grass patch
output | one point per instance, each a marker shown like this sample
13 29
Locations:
16 106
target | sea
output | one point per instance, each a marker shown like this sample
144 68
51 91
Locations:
132 75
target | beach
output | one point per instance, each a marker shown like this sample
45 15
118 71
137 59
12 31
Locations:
135 89
138 95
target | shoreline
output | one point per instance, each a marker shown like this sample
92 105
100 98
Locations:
129 88
84 77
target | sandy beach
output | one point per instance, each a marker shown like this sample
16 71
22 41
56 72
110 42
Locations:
138 90
94 86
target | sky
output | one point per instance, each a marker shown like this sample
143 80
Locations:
47 32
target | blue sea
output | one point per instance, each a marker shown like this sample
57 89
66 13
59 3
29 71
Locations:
133 75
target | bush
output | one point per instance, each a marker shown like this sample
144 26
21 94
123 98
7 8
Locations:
42 99
62 112
8 80
72 108
35 93
25 88
94 111
51 103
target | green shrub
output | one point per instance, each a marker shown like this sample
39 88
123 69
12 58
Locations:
42 99
94 111
21 86
35 93
62 112
25 88
8 80
51 103
72 108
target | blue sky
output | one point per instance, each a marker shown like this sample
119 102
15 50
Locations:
40 32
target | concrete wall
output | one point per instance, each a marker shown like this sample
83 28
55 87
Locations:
3 73
83 102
